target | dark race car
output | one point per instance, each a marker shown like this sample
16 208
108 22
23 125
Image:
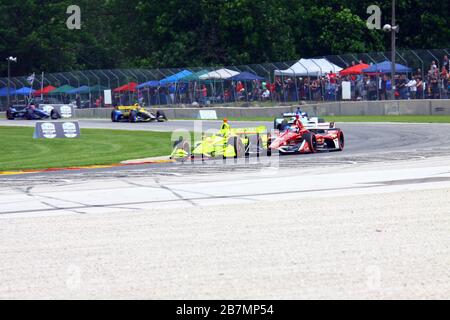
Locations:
30 112
136 113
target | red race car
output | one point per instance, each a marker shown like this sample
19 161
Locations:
296 139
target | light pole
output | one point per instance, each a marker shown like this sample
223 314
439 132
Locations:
9 59
393 29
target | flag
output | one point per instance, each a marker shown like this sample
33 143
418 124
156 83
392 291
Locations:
30 79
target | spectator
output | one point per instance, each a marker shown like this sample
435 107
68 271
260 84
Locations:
278 89
383 88
420 87
172 90
78 101
412 86
446 63
204 92
433 66
402 88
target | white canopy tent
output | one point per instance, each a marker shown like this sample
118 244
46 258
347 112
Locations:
309 67
220 74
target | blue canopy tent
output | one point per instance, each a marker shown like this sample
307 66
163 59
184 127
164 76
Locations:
24 91
385 67
176 77
152 99
173 79
4 92
148 84
245 76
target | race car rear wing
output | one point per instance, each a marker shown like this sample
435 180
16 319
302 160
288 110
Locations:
251 130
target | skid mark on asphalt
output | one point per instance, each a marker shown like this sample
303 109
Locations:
53 207
176 194
181 199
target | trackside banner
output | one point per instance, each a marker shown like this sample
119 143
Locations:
56 129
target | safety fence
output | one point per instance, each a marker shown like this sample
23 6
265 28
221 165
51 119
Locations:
263 84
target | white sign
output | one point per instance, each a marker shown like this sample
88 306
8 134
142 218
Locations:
346 90
70 130
108 96
56 129
207 115
66 111
48 130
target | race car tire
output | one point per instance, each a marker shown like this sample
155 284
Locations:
113 116
133 116
240 147
311 140
332 147
160 116
54 115
9 115
341 141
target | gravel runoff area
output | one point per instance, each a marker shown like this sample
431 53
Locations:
375 230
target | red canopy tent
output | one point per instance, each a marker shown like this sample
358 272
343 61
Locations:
129 87
44 91
356 69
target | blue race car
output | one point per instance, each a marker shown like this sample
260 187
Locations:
136 113
30 112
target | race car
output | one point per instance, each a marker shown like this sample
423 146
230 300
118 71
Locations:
308 122
296 138
136 113
227 142
30 112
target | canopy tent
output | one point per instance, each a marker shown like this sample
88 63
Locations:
309 67
148 84
385 67
4 91
63 89
356 69
80 90
25 91
194 76
86 89
245 76
176 77
44 91
129 87
220 74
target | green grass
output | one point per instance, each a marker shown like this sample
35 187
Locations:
18 150
405 119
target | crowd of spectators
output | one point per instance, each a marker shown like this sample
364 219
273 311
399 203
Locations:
430 84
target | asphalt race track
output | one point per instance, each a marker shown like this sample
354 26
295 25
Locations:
369 222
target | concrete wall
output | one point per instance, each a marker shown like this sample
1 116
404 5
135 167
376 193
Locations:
344 108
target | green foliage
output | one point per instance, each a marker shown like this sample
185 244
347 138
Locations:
178 33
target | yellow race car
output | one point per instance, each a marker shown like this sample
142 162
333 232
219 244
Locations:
227 143
136 113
